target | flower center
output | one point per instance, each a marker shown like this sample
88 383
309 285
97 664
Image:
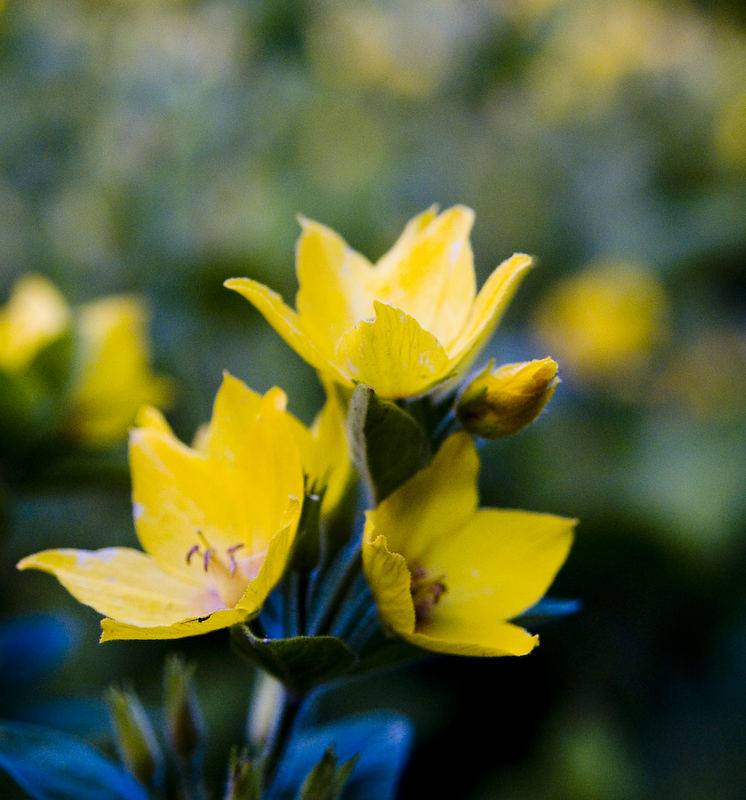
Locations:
220 567
426 592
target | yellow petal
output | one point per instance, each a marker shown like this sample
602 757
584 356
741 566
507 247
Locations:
433 280
389 579
334 280
125 584
112 630
287 324
432 504
494 639
389 262
498 565
234 409
150 417
488 308
275 561
393 354
179 494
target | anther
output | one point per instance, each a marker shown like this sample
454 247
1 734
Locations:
232 558
192 550
206 558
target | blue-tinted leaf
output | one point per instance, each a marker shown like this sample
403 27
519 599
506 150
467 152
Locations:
548 609
382 740
31 647
50 765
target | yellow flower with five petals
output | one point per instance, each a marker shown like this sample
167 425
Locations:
447 576
404 325
217 526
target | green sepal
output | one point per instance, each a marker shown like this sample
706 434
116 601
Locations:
299 662
244 777
183 715
388 445
327 779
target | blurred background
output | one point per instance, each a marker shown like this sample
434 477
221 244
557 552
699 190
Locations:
159 148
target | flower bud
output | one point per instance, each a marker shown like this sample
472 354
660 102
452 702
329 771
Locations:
183 715
505 401
136 741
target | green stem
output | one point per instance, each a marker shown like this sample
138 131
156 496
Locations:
278 739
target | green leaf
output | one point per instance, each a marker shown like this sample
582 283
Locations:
300 662
388 445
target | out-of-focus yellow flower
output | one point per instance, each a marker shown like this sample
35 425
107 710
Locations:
604 323
324 450
115 378
35 314
447 576
402 326
217 526
506 400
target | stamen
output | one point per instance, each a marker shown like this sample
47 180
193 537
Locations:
192 550
206 558
232 558
426 592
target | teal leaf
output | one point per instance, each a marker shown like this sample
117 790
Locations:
300 662
548 609
380 740
388 445
50 765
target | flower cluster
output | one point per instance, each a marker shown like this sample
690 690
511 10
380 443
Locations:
252 503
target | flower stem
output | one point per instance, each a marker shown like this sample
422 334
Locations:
338 591
283 726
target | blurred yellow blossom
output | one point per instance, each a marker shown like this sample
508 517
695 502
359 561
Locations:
115 377
109 376
35 314
503 401
605 322
403 325
447 576
217 526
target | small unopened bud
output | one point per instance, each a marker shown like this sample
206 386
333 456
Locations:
244 778
182 711
327 779
136 742
505 401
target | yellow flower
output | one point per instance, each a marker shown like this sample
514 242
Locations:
217 526
323 447
35 314
604 323
403 325
115 378
447 576
506 400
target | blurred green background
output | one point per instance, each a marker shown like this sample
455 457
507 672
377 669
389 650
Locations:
162 147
